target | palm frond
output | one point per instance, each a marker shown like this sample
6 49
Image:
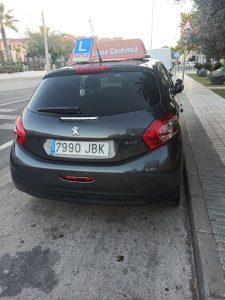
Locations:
7 20
10 25
9 11
8 16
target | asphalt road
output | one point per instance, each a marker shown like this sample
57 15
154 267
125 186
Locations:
58 250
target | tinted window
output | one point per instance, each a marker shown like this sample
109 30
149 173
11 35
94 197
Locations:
165 76
98 94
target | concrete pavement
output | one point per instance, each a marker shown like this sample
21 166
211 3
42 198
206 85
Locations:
204 115
58 250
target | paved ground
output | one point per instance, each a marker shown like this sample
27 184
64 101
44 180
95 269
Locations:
57 250
14 86
204 114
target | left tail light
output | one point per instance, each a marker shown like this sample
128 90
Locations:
20 131
161 130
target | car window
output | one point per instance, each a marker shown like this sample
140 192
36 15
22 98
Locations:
164 74
99 94
166 78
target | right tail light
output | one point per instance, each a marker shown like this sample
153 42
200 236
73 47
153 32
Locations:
161 130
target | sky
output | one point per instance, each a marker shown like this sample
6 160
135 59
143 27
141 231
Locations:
112 18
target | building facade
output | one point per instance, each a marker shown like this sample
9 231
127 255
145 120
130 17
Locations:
17 50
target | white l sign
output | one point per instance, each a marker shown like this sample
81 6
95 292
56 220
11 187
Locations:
80 47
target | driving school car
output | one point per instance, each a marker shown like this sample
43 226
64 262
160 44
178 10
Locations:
101 132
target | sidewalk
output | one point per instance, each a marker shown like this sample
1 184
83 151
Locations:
204 117
26 74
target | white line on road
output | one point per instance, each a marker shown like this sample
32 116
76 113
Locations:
6 145
8 117
4 104
7 110
10 126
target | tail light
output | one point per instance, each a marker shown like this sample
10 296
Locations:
78 179
20 131
161 131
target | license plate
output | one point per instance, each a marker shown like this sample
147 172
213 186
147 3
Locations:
70 148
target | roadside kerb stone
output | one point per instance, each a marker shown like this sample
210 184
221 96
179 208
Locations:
209 271
21 75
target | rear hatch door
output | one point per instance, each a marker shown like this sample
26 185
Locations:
92 116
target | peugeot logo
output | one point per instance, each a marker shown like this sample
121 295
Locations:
75 131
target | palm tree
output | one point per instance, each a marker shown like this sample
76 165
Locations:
6 21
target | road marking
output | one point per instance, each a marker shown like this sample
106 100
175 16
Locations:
21 100
6 145
8 117
10 126
7 110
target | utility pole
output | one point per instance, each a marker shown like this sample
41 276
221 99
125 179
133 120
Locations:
186 33
47 62
184 63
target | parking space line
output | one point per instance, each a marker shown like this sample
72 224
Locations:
6 145
4 104
8 117
7 110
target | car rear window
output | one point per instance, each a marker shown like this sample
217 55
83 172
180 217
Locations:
99 94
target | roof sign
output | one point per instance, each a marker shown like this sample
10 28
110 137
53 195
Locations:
82 49
108 50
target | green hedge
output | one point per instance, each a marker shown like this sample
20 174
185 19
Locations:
11 68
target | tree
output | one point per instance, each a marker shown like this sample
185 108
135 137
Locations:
210 27
35 44
6 21
59 44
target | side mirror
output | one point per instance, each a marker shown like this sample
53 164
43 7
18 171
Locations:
178 86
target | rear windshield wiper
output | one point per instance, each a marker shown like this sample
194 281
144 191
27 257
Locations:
61 110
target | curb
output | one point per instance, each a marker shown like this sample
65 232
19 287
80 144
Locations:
21 78
22 75
208 269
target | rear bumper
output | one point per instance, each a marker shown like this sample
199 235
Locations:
153 176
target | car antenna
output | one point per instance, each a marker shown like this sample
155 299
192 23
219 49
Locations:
99 57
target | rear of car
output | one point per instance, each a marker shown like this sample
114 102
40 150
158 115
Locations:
99 133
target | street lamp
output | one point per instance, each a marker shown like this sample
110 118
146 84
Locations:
47 60
153 3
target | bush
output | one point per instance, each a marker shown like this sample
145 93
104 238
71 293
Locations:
208 66
202 72
199 66
11 68
217 78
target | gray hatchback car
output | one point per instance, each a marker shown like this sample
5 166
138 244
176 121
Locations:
101 133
